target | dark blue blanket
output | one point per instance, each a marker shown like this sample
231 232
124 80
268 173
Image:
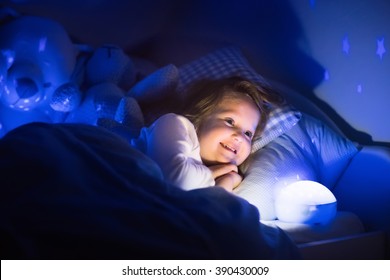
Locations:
81 192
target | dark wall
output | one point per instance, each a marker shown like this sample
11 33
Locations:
333 52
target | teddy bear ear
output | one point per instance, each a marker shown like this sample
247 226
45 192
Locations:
158 85
111 64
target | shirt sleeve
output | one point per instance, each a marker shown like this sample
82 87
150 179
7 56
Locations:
172 142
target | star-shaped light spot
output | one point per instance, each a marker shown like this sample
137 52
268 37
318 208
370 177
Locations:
359 88
42 44
326 75
346 45
380 50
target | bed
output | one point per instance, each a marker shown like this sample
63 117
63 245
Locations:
75 189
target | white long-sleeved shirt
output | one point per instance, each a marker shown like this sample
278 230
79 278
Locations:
171 141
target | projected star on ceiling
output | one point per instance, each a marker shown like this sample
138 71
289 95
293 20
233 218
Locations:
359 88
380 50
326 75
346 45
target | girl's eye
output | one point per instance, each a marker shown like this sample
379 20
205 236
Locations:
229 122
249 134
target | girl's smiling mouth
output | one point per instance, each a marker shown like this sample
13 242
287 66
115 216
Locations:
229 148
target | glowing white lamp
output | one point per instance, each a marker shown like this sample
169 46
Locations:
305 202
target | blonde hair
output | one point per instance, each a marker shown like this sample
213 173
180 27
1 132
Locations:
206 94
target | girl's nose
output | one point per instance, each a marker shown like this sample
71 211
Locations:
237 138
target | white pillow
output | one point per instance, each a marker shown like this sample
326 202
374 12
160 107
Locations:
308 151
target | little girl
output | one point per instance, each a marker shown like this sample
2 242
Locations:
205 144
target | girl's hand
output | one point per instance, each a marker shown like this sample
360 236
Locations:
221 169
226 175
229 181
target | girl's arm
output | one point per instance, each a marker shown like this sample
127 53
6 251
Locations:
172 142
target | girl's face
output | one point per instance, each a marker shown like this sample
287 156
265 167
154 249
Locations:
226 135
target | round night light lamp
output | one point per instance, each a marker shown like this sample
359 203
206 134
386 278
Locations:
305 202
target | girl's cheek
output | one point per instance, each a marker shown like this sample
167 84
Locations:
249 148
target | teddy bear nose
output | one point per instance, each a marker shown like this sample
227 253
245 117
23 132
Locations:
25 87
24 84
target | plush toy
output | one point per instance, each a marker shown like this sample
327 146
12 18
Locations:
120 89
37 62
109 74
45 77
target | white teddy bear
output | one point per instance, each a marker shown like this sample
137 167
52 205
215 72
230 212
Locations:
45 77
37 61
